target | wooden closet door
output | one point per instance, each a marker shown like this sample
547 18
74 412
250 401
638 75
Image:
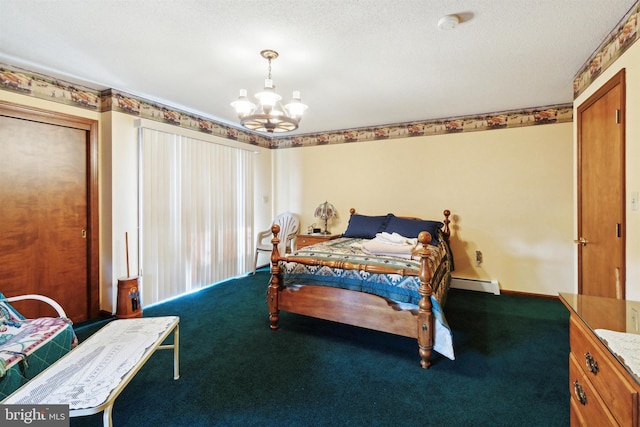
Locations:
601 191
43 215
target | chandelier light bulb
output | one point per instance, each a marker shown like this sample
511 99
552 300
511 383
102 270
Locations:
296 107
268 97
242 105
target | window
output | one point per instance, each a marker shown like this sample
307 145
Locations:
196 213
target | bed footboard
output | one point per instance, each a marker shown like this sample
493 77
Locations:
362 310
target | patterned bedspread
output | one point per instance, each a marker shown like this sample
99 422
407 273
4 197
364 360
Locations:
393 286
402 289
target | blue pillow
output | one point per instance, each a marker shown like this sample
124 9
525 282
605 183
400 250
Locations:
366 227
412 227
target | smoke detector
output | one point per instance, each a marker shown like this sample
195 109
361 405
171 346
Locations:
448 22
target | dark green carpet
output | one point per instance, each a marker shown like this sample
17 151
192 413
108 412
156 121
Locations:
510 368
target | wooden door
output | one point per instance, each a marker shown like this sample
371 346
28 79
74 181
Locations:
45 215
601 190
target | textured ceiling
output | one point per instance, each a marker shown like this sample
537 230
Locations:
357 63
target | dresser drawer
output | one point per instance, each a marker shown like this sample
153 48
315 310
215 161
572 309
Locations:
311 239
303 241
596 364
586 404
577 417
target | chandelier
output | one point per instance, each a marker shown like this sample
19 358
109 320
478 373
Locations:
269 115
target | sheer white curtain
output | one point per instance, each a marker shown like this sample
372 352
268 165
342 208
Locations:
196 202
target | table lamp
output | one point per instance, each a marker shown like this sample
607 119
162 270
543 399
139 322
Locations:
325 211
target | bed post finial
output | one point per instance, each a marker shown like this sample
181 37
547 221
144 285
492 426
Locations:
426 324
274 283
446 231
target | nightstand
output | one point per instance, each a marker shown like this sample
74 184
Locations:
311 239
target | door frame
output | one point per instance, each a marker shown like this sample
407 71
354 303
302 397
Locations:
618 79
91 127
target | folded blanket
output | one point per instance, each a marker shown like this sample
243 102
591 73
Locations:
380 246
394 239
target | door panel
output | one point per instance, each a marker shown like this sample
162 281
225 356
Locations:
43 188
601 190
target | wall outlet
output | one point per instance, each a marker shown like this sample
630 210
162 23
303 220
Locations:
634 319
478 258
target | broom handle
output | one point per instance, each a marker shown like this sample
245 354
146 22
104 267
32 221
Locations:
126 239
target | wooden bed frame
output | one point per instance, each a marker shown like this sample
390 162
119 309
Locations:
358 308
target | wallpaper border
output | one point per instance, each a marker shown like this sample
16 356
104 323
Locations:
615 44
44 87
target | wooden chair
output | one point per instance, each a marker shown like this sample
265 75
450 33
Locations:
289 227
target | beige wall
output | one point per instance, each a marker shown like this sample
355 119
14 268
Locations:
630 60
107 279
124 190
509 191
118 186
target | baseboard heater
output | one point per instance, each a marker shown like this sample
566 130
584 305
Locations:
489 286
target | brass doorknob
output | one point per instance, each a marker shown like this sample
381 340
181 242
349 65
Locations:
582 241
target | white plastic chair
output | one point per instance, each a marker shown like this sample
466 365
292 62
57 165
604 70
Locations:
289 226
57 307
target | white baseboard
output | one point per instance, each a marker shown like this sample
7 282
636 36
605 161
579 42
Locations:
489 286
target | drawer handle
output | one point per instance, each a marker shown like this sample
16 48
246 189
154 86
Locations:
580 394
592 364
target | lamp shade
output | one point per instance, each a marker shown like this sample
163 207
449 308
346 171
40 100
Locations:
296 108
325 211
242 105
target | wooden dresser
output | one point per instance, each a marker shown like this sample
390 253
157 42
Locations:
604 390
311 239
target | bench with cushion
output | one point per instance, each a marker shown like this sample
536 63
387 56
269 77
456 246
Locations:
29 346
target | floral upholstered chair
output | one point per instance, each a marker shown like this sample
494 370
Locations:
29 346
